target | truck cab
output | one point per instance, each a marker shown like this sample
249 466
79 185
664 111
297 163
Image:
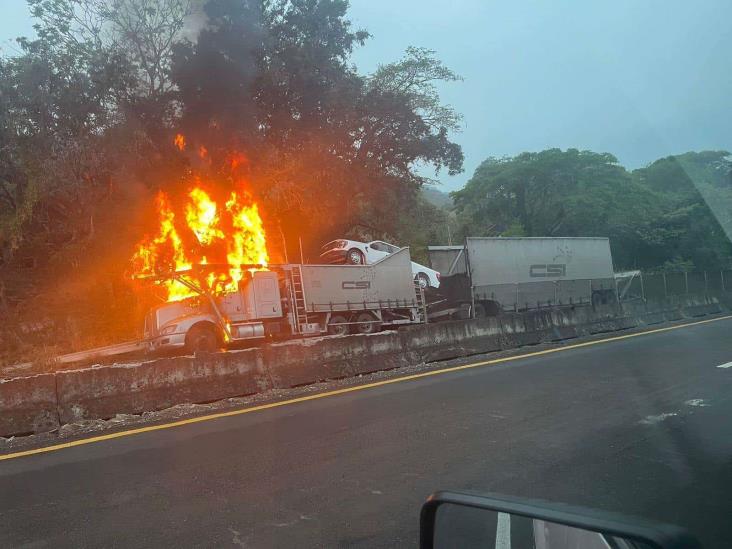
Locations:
208 322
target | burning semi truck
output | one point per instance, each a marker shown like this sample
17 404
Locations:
288 300
208 259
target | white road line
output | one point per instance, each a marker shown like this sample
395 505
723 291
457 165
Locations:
725 365
503 531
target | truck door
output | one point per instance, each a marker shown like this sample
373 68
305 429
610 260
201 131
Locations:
267 295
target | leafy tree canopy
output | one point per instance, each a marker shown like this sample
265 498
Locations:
273 79
661 216
89 109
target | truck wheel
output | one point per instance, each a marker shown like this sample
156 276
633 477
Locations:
423 280
341 328
479 311
371 327
355 257
202 338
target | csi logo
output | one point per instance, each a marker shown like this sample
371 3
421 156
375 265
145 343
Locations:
356 285
549 270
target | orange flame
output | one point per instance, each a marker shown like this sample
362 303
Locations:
228 234
180 141
237 160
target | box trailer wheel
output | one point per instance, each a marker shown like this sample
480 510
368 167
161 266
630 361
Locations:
337 324
487 308
365 323
603 297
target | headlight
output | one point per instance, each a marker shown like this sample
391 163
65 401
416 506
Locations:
168 330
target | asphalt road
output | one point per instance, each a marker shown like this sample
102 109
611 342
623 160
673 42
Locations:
641 425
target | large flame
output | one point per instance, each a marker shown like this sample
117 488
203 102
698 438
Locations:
225 234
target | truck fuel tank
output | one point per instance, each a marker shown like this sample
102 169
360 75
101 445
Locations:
249 330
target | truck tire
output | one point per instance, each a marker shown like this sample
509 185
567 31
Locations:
479 311
341 329
372 327
202 338
603 297
355 257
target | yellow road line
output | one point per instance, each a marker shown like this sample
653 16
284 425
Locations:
210 417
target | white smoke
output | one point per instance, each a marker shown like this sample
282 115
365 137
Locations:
195 22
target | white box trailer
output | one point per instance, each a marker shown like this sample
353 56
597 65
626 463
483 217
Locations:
517 273
359 298
383 284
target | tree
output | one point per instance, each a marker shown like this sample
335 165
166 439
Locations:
553 193
414 78
694 226
89 110
55 107
65 141
550 193
329 150
147 32
656 217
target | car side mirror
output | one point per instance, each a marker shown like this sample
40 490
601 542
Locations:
464 519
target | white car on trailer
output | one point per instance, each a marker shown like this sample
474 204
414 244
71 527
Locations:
366 253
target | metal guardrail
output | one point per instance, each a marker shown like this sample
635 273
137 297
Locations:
107 350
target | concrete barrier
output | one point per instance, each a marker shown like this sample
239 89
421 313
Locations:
560 324
446 340
28 405
648 319
696 308
725 300
102 392
39 403
302 362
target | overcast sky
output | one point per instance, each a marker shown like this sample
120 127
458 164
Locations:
640 79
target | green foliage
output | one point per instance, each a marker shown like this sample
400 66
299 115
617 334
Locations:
330 151
424 225
694 224
89 109
414 77
55 104
437 197
674 212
